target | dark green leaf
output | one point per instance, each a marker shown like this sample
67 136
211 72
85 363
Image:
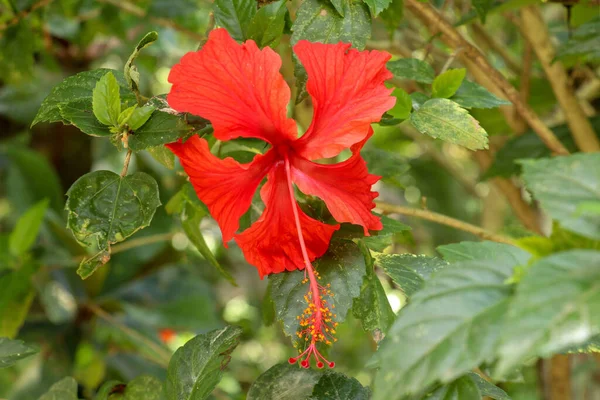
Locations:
161 128
413 69
77 88
482 7
139 117
336 386
409 271
197 367
418 99
473 251
379 240
23 235
65 389
235 16
105 208
106 100
107 388
389 165
144 387
131 73
472 95
557 305
584 41
456 317
392 16
12 351
487 388
561 184
343 266
377 6
284 382
79 114
461 389
447 83
446 120
267 25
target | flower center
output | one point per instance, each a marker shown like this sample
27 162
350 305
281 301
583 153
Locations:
316 324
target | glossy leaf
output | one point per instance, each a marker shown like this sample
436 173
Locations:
235 16
12 351
65 389
412 69
267 25
106 100
197 367
410 271
284 382
27 228
447 83
472 95
343 266
557 305
561 184
105 208
336 386
379 240
444 119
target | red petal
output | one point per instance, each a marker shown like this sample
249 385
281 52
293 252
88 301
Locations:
348 95
271 244
225 186
237 87
345 187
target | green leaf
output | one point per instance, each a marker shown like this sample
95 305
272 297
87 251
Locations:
446 84
163 156
23 235
139 117
392 15
108 388
15 298
126 114
159 129
557 305
487 388
130 71
403 105
197 367
106 100
444 119
486 250
409 271
77 88
284 382
472 95
584 42
461 389
418 99
12 351
456 317
144 387
412 69
190 221
377 6
343 266
105 208
391 166
482 7
235 16
379 240
559 240
267 25
65 389
79 114
336 386
561 184
372 306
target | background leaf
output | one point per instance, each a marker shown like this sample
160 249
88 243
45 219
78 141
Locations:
284 382
472 95
12 351
65 389
28 226
336 386
410 271
412 69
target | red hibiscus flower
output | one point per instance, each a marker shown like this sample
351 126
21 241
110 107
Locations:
239 89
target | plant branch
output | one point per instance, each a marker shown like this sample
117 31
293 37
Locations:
436 23
23 14
444 220
126 163
534 29
139 12
489 42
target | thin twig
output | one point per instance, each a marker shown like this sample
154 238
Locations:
535 31
435 22
23 14
444 220
493 45
126 163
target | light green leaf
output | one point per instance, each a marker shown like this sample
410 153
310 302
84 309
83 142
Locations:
126 114
284 382
15 298
412 69
12 351
105 208
487 388
444 119
461 389
456 317
556 306
267 25
447 83
343 266
561 184
197 367
403 105
23 235
144 387
410 271
486 250
235 16
377 6
163 156
472 95
65 389
106 100
130 71
336 386
379 240
139 117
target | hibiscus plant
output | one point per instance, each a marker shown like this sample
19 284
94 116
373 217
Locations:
314 199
